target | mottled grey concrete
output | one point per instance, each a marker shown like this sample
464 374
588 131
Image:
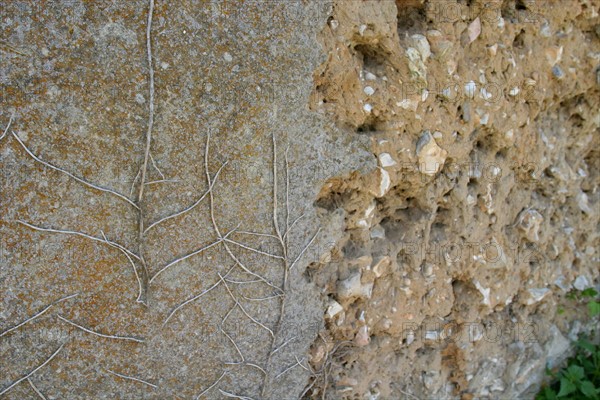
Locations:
75 79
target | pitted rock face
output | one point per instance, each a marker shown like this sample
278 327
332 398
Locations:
491 202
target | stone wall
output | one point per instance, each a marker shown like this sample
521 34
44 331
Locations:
275 200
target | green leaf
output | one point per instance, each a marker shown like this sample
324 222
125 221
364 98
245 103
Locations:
594 308
549 394
588 389
584 344
576 372
566 387
589 292
586 364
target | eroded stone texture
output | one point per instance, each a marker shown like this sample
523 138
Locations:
484 116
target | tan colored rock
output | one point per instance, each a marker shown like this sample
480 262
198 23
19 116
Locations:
474 29
431 156
362 337
380 183
529 222
352 287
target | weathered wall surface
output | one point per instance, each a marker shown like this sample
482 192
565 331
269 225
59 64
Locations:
75 79
484 119
347 199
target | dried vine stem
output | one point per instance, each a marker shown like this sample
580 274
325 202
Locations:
126 252
151 103
283 344
243 246
39 314
140 298
284 249
76 233
36 369
131 378
156 168
285 371
35 389
234 396
216 226
190 208
78 179
179 307
102 335
7 127
238 304
143 275
283 240
208 389
200 250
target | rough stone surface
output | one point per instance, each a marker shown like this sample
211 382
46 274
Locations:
399 279
492 210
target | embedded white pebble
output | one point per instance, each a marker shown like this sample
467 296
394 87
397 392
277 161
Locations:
561 282
431 156
385 182
381 265
333 309
582 202
485 292
501 23
408 104
536 295
483 117
485 94
353 288
581 283
386 160
362 336
362 223
378 232
447 93
428 270
369 76
474 29
470 88
369 90
368 108
369 211
529 222
421 43
545 30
